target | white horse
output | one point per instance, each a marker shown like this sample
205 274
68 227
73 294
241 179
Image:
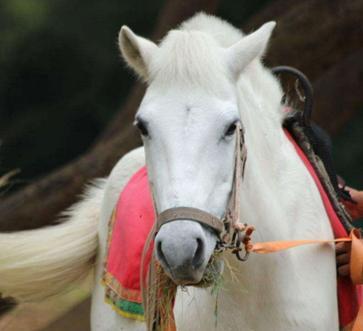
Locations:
202 79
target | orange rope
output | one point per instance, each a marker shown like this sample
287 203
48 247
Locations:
356 259
276 246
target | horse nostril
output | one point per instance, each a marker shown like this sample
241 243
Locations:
198 255
159 252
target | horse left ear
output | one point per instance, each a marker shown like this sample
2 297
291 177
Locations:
249 48
136 51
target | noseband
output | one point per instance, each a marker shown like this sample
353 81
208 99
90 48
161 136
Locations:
232 234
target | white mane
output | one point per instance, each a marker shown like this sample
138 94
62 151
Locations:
224 33
189 57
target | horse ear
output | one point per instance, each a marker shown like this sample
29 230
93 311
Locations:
136 51
248 48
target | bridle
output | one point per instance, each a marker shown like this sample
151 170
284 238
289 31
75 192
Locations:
231 232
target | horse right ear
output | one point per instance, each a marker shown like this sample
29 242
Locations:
136 51
249 48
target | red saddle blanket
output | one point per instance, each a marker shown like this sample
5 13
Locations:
131 222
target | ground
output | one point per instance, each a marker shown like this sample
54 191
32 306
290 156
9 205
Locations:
69 312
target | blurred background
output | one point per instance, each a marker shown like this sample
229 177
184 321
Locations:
67 101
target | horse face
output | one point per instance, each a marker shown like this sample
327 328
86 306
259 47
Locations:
190 160
187 120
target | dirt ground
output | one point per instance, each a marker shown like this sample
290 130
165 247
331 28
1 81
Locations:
69 312
77 319
39 317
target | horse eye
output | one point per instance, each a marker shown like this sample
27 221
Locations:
141 125
231 129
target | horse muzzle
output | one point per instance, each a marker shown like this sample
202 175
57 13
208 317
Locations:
183 248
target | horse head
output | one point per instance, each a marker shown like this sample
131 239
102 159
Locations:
187 120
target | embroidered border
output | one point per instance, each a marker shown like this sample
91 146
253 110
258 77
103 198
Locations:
126 302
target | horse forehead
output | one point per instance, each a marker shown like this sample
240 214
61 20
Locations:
170 115
179 102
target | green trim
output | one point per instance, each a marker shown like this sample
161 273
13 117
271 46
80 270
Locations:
125 313
131 307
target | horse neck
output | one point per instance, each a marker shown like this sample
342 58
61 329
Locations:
280 199
276 191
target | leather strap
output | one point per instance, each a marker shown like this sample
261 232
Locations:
233 212
189 214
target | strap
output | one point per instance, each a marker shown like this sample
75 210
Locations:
233 212
189 214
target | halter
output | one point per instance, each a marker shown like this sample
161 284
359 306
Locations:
232 233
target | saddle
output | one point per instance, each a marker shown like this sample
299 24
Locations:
317 146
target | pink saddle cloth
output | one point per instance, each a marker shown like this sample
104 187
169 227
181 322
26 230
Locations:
131 223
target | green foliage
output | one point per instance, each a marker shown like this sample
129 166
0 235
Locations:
61 78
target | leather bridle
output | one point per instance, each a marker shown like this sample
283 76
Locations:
231 232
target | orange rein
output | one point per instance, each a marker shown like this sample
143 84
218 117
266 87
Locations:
356 258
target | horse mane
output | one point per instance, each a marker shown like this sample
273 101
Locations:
223 32
191 54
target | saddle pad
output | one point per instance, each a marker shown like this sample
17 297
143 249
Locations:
131 222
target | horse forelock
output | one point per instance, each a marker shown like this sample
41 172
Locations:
191 58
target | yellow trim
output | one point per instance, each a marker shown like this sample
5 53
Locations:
130 315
